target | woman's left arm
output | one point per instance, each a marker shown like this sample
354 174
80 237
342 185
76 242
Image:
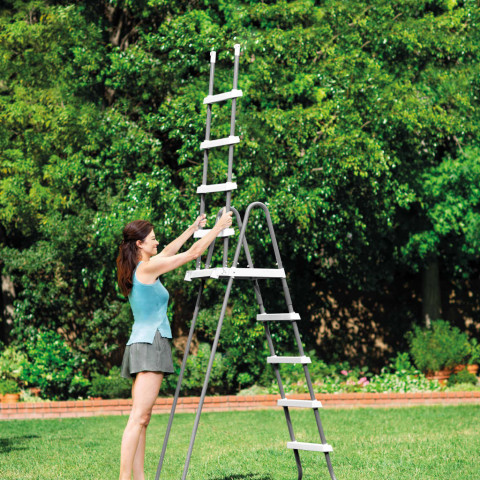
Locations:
173 247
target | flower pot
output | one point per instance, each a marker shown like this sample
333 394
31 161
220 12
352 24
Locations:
35 391
11 398
459 368
441 375
472 368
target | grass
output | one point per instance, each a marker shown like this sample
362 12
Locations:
427 443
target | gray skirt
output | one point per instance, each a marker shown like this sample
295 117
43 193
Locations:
148 357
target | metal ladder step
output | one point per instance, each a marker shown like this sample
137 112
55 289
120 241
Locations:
218 187
275 359
312 447
209 99
235 272
231 140
287 402
267 317
226 232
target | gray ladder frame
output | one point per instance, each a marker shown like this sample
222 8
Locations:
291 316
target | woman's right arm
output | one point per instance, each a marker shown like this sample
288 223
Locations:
159 265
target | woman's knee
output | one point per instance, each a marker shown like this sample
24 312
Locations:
141 418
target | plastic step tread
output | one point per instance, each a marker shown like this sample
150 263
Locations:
226 232
267 317
235 272
287 402
222 96
312 447
218 187
231 140
275 359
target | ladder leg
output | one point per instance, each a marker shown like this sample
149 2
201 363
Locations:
207 377
230 148
312 396
282 395
180 379
207 137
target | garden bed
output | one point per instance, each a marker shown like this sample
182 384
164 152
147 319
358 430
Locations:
88 408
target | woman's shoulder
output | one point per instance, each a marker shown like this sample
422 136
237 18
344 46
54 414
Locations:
141 276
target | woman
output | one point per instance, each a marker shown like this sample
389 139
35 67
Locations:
148 355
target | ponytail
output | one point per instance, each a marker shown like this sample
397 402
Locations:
128 254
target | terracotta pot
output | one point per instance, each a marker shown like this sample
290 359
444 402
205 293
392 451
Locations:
473 368
35 391
458 368
441 375
470 368
11 398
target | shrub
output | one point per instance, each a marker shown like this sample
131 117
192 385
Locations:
11 362
54 367
463 376
441 346
474 352
8 385
111 385
196 368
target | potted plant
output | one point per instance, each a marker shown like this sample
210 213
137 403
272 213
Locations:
438 349
473 356
9 390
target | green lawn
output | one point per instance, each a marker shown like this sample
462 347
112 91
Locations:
424 443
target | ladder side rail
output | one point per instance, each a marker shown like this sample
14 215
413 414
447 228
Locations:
286 411
230 148
278 258
207 137
256 285
267 329
312 396
207 377
276 250
212 245
308 379
180 379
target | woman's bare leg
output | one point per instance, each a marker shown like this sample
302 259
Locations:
144 393
139 459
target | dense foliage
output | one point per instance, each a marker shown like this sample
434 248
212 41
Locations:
359 127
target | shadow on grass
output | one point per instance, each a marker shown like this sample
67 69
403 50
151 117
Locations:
14 443
244 476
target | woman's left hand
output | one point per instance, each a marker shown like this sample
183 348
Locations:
201 221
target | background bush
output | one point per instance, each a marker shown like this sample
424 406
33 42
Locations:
438 347
110 386
54 367
463 376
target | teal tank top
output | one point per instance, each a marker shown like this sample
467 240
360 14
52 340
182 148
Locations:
149 306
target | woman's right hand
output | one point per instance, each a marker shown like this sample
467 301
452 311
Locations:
225 220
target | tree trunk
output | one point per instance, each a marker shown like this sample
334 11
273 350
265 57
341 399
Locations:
432 303
8 294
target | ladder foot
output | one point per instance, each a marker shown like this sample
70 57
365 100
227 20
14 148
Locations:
299 465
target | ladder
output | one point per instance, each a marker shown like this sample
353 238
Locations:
251 273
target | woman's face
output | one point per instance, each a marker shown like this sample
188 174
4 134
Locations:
149 244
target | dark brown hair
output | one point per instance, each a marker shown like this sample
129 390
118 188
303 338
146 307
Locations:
128 255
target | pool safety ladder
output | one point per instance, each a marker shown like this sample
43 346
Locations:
251 273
